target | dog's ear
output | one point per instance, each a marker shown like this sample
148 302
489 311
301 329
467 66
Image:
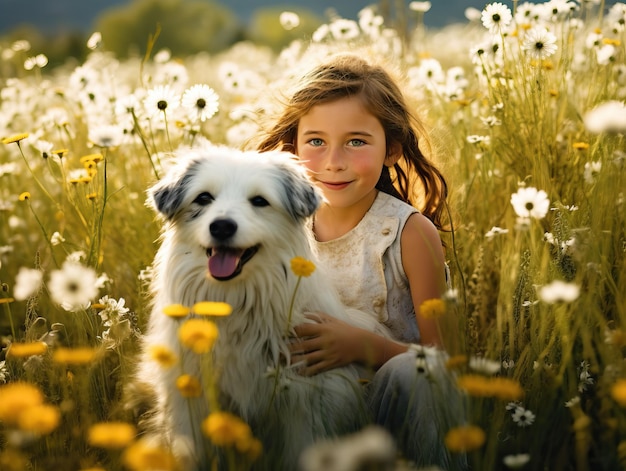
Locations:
167 195
301 197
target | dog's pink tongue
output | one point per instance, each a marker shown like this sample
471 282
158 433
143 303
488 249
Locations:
223 263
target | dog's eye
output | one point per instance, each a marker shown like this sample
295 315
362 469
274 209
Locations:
259 201
204 198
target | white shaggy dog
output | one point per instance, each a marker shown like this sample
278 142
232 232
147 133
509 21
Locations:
233 222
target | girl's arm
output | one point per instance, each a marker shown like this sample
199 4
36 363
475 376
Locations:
330 343
424 264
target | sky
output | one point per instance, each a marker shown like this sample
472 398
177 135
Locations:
53 16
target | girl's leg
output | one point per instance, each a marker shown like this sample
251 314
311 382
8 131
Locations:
416 399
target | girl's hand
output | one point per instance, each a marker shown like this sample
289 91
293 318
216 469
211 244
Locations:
325 344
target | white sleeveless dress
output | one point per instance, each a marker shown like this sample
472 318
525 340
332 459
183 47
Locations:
365 266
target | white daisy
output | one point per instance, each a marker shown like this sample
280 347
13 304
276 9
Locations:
201 101
472 14
114 310
496 17
161 99
39 61
106 135
420 7
73 287
523 417
530 203
344 29
27 283
494 231
592 169
289 20
56 238
4 373
516 461
484 365
559 291
605 54
609 116
94 40
539 43
320 33
370 22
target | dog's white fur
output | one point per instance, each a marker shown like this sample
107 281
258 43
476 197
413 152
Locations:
268 197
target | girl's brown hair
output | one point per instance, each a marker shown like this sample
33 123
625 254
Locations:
348 75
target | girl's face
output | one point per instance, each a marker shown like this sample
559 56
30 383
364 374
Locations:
344 148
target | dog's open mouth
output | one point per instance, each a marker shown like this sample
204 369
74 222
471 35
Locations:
226 263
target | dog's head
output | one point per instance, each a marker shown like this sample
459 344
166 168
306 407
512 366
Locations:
232 204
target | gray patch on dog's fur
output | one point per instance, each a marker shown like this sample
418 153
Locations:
301 198
168 195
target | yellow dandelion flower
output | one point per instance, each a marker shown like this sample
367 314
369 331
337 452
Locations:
611 42
13 460
474 385
616 337
24 196
163 356
302 267
225 429
27 349
15 398
91 196
553 92
456 361
41 419
547 64
580 145
198 335
480 386
6 300
188 386
143 455
91 158
90 166
209 308
506 389
111 435
75 356
618 392
60 152
15 138
176 310
432 308
464 439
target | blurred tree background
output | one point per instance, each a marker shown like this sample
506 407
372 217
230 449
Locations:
186 27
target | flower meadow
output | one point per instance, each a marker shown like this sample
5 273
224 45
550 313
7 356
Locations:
525 110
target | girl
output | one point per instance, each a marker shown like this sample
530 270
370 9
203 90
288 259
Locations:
350 125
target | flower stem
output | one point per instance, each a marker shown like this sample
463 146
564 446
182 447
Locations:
30 169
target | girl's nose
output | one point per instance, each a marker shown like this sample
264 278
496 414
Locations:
335 159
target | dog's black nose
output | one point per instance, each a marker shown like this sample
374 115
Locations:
222 229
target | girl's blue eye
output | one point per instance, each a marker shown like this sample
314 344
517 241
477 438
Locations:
357 142
316 142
